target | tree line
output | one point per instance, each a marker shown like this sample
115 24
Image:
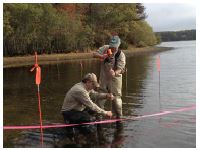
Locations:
177 35
62 28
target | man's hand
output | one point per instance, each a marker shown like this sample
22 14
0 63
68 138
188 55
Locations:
102 57
109 96
112 72
109 113
116 72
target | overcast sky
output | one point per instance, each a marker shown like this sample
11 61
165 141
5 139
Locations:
171 16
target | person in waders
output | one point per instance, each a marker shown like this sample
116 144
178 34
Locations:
112 68
78 106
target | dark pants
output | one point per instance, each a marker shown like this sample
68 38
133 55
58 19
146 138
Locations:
78 117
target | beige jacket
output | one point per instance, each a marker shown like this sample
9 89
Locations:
78 98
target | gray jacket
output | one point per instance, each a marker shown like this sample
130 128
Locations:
78 98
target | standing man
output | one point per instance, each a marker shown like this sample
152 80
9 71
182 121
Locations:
112 67
78 98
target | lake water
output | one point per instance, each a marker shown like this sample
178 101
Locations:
143 94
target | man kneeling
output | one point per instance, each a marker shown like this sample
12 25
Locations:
77 104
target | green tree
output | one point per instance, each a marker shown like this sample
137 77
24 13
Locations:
62 28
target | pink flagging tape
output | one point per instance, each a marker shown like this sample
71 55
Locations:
100 122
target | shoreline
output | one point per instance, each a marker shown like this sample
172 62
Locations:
20 61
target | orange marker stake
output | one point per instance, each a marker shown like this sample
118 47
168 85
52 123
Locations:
158 63
109 52
158 68
38 76
37 82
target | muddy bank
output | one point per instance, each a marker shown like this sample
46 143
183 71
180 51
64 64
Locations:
56 58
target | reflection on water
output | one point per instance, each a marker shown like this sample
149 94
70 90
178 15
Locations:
140 96
61 138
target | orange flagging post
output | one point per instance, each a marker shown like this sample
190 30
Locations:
37 82
158 68
109 52
158 63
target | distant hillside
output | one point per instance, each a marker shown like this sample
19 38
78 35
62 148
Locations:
177 35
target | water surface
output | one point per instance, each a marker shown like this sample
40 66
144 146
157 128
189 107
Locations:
143 93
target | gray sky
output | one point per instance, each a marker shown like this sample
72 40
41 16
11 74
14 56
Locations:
171 16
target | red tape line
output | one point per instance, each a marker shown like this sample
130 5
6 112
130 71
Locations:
100 122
